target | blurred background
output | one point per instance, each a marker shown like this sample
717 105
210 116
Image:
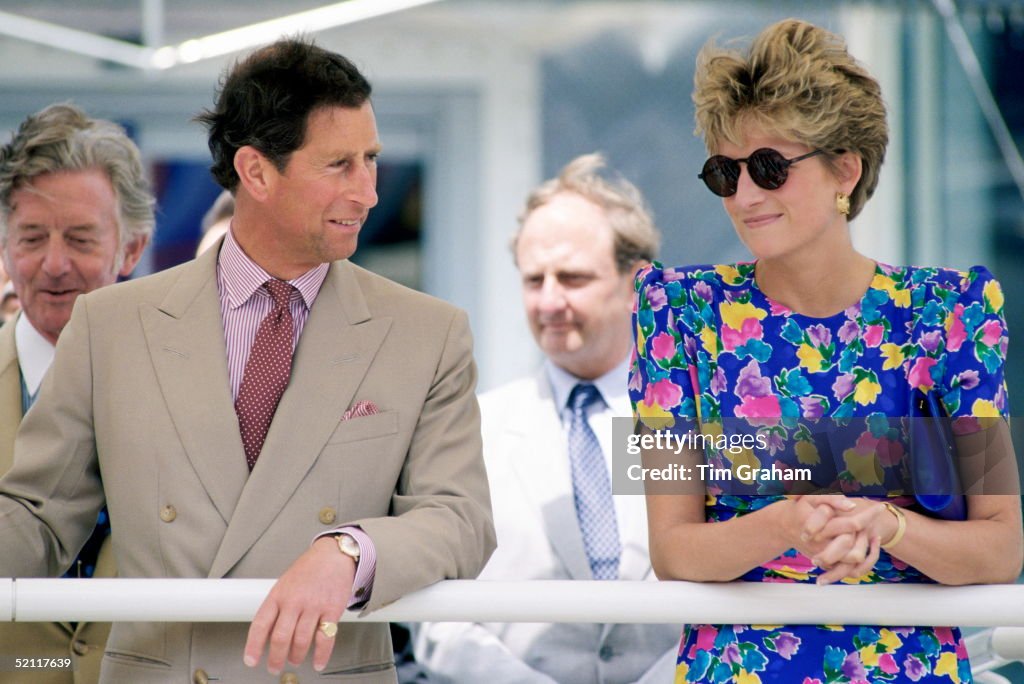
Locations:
478 100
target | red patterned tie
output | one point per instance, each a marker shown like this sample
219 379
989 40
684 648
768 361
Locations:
266 372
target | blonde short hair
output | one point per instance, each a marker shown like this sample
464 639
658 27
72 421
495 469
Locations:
798 81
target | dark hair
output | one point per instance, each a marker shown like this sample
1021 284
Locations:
266 99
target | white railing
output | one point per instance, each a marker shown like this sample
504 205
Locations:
203 600
994 648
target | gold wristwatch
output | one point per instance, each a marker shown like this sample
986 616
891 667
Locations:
349 546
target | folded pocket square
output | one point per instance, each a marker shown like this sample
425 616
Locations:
360 409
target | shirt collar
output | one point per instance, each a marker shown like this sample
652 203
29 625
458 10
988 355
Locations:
242 276
611 386
35 353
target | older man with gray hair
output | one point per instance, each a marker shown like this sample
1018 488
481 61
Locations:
547 445
76 213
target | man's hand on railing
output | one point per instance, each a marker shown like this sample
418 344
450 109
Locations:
313 591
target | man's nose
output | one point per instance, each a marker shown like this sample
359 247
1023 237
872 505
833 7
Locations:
552 295
56 260
363 189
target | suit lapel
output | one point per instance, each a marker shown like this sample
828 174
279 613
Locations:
337 346
540 459
631 514
185 335
10 395
635 561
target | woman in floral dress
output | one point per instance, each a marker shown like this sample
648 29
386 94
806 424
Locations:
813 332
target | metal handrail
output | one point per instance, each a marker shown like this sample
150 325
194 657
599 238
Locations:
236 600
994 648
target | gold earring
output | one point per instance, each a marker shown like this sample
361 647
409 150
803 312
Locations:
843 203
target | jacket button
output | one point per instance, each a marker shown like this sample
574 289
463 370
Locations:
328 515
200 677
168 514
606 653
289 678
79 647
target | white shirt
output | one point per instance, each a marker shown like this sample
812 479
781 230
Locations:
611 386
35 353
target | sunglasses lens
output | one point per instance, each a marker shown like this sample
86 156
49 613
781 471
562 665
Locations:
721 174
768 168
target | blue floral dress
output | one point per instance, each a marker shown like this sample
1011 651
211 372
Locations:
710 346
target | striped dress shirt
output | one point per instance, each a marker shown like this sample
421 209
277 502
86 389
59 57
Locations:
244 303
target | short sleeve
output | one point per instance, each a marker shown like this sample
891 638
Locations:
976 338
663 369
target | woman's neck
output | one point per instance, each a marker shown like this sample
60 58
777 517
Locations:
817 285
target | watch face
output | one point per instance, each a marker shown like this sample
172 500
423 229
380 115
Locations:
348 546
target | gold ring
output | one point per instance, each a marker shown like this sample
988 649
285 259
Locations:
329 629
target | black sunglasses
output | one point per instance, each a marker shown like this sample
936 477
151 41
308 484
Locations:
767 167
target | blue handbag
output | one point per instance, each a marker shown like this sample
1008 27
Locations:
933 471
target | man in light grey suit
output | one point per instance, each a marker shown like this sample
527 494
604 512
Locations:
75 213
233 409
581 239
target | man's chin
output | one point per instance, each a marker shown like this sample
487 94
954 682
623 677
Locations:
560 347
339 249
50 324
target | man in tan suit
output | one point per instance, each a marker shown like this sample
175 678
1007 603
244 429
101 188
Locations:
159 396
75 213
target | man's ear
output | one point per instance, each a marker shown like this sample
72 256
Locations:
132 253
255 172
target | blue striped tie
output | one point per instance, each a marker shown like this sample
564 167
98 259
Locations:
592 488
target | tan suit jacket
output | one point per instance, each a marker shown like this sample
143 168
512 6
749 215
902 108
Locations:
84 642
137 410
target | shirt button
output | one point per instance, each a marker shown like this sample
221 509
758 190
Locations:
79 647
328 515
359 592
289 678
606 653
168 514
200 677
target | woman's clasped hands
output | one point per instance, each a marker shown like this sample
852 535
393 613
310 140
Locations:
841 535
